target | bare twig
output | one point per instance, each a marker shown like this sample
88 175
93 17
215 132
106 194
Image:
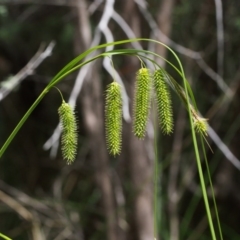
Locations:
36 212
94 6
37 59
24 198
41 2
216 77
53 142
223 148
179 48
126 28
220 36
103 27
65 234
24 213
16 206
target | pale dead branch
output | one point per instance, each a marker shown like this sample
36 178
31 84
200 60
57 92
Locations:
220 36
181 49
8 85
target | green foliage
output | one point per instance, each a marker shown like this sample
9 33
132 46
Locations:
142 102
164 103
113 111
69 132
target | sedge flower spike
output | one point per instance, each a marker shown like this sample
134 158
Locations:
200 125
164 104
113 118
69 132
142 102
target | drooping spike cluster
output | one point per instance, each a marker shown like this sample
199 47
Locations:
164 103
69 132
142 102
113 116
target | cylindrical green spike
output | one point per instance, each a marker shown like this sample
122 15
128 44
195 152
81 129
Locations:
69 132
113 118
164 103
142 102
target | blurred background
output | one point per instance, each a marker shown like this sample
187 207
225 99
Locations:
99 197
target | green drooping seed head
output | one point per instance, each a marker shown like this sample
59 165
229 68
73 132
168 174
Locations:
69 132
113 116
142 102
164 103
200 125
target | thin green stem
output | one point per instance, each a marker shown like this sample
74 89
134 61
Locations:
197 154
156 177
4 237
137 51
22 121
211 185
59 93
59 78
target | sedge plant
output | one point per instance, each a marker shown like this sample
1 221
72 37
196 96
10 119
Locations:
148 81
